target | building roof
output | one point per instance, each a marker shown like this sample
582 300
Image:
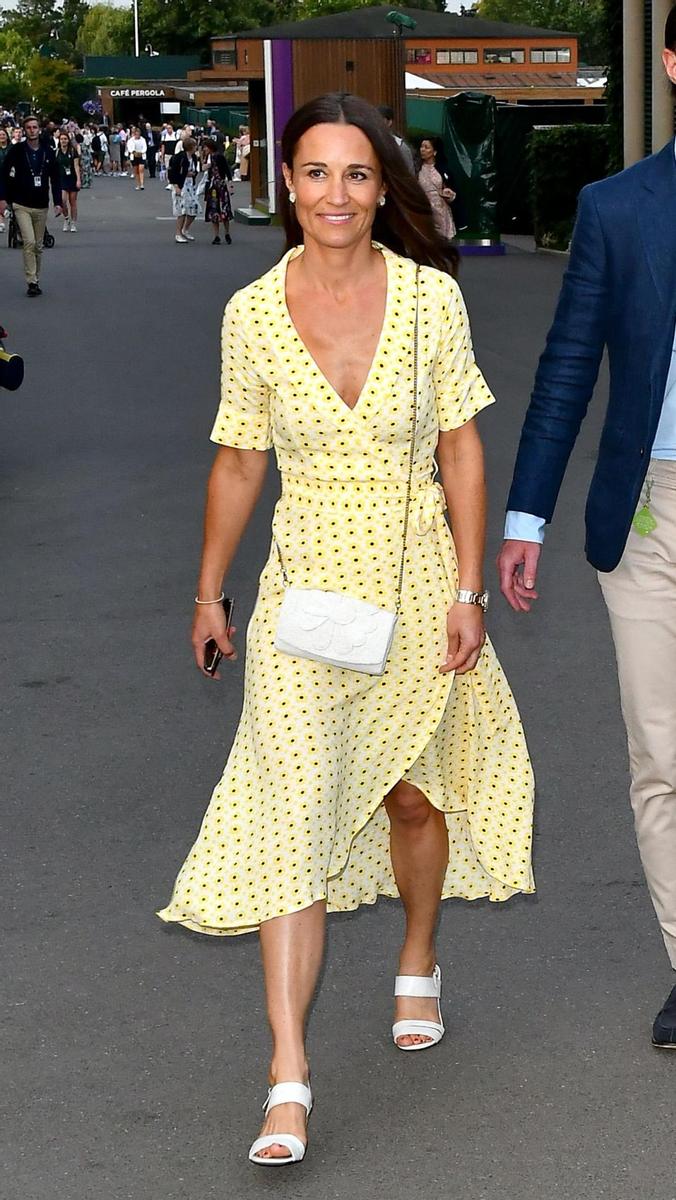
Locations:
372 23
478 82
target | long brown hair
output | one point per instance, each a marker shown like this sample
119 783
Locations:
404 223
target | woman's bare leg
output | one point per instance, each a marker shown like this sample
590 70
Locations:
419 849
292 949
72 197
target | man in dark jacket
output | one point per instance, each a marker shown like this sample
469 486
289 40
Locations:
27 172
619 292
152 142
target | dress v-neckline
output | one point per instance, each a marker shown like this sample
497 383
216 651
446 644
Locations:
293 253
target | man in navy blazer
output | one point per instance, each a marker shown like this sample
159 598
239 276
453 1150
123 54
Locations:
619 293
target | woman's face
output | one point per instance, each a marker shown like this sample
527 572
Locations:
337 179
64 142
4 137
427 151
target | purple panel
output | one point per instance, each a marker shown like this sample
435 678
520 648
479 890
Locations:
282 94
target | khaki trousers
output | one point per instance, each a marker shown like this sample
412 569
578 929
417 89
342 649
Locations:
641 598
31 222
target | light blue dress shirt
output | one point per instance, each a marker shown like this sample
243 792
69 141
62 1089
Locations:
525 527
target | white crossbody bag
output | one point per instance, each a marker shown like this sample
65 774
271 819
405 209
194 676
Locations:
334 627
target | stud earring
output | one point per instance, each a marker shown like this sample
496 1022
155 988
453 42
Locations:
292 197
381 201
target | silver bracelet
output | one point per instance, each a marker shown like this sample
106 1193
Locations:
221 597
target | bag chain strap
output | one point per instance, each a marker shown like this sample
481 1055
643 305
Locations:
414 429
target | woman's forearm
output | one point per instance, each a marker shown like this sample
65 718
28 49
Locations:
461 463
234 486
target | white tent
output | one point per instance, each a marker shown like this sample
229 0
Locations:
417 83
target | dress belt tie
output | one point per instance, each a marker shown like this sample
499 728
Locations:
426 506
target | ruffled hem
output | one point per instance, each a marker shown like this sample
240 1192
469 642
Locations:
496 890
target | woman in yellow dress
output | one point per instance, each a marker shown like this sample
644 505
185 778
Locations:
342 786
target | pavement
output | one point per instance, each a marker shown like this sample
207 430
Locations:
134 1055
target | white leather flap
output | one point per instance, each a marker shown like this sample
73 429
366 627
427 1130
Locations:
335 627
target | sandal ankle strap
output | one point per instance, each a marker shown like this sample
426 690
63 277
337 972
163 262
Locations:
419 985
289 1093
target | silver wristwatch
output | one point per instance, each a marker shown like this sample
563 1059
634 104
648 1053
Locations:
464 596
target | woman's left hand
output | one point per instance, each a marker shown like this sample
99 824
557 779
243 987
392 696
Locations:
448 194
466 636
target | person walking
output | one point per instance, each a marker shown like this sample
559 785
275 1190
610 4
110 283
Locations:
152 143
68 162
97 151
436 187
124 138
358 770
619 294
86 157
103 139
218 192
387 113
213 134
244 153
136 152
28 172
169 145
114 151
184 168
4 147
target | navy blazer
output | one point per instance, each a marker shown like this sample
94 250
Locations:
619 292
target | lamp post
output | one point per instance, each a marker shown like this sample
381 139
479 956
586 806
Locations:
137 48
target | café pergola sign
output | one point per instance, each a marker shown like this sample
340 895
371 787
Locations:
138 93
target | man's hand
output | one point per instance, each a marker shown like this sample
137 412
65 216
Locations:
518 568
58 210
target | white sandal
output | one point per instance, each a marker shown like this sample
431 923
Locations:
422 986
282 1093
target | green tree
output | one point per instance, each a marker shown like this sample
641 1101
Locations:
48 80
185 26
42 23
320 8
106 30
586 18
15 54
37 20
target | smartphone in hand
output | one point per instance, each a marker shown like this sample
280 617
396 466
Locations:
212 654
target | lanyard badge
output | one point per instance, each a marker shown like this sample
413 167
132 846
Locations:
644 520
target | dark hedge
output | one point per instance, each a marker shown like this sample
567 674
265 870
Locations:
562 160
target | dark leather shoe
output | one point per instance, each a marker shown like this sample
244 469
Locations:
664 1029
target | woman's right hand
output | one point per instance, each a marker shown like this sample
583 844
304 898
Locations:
209 622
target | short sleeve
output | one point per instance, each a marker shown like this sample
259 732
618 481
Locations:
243 417
460 388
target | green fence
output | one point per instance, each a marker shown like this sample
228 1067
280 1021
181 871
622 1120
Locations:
126 66
228 117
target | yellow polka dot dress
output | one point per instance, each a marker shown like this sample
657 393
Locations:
298 814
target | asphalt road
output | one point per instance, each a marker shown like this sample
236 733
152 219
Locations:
134 1056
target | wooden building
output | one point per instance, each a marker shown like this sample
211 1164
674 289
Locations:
363 51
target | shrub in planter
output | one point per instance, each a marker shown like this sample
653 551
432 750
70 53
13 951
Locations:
562 160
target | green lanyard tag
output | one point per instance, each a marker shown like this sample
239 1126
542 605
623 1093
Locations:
644 522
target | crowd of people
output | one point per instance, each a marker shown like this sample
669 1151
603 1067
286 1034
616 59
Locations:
198 166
